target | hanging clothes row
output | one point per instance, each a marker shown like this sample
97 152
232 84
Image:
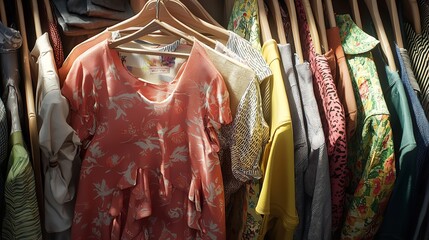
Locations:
369 107
167 125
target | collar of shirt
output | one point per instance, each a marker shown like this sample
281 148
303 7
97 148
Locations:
354 40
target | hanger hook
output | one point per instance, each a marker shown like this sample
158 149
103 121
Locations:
157 9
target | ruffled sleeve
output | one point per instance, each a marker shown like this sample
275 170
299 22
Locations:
217 102
80 92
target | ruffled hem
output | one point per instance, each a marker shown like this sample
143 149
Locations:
140 204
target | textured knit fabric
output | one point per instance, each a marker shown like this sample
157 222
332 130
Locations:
57 139
409 70
332 117
277 198
397 218
418 48
240 49
244 20
57 45
345 92
315 175
371 152
242 140
248 132
256 62
301 147
157 142
21 220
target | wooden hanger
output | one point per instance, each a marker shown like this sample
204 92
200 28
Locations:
181 13
154 25
355 12
36 18
381 33
412 13
263 22
140 19
278 21
317 7
148 13
31 113
48 11
312 26
391 5
295 28
331 14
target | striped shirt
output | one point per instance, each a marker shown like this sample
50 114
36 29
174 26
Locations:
418 48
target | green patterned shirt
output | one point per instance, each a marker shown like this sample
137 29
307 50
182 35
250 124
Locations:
244 21
371 152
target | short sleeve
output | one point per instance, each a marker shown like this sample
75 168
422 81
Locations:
217 102
218 109
79 90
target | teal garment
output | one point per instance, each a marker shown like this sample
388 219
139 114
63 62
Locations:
398 212
21 220
397 216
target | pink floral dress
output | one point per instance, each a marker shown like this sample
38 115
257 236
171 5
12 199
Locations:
150 168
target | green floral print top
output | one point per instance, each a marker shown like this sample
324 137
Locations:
371 153
244 21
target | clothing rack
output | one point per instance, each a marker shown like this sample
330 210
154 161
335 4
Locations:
196 23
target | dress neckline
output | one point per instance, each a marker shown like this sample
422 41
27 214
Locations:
139 83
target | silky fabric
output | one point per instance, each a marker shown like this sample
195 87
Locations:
57 139
344 89
371 154
118 5
177 194
68 30
88 8
316 170
277 197
84 22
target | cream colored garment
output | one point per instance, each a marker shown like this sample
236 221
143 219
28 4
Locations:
58 142
248 133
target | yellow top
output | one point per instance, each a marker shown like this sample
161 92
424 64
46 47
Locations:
277 198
